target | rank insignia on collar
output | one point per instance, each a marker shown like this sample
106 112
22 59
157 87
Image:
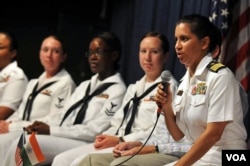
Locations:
215 66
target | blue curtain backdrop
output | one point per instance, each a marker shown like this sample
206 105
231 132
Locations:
132 18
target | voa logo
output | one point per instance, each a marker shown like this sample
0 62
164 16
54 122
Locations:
236 157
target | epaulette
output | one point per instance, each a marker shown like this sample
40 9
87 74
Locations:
215 66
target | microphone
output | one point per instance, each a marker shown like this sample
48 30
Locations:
165 77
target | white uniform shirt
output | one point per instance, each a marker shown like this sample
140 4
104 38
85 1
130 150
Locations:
146 113
99 112
211 97
13 82
48 103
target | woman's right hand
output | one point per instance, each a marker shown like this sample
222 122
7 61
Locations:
124 146
162 98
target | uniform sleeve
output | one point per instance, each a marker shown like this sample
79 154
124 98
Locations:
13 93
175 148
17 115
18 125
166 144
223 95
95 125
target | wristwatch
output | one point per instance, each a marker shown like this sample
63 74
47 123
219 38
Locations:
156 149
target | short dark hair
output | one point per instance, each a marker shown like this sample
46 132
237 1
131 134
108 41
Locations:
202 27
114 43
216 38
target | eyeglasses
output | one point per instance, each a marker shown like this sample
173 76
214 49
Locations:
98 53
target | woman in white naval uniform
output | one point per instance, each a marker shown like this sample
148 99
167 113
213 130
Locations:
13 80
79 124
207 108
153 53
46 104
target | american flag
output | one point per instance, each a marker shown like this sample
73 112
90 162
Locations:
233 19
21 142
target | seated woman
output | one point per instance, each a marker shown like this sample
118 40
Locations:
207 108
44 97
13 80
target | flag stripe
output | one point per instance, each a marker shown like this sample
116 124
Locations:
244 18
236 39
245 81
18 158
243 69
36 148
240 56
240 22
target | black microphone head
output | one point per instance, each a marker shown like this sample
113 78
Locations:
165 76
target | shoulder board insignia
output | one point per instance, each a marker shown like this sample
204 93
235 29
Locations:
215 66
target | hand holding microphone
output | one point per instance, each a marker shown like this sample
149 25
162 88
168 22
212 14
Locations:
165 77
